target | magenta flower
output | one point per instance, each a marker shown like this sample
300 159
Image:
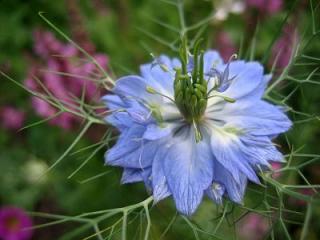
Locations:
284 46
299 202
65 73
253 227
11 118
276 166
14 224
225 45
266 6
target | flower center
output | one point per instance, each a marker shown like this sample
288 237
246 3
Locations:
190 88
12 223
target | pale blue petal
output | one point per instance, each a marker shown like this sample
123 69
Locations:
259 91
247 77
147 178
159 181
211 59
171 64
140 157
188 169
113 102
157 77
154 131
128 142
134 87
235 190
140 115
216 191
121 120
260 150
131 151
228 153
131 175
255 117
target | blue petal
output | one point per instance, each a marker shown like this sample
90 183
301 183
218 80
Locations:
255 117
147 178
113 102
225 148
133 112
159 181
234 189
157 77
120 120
154 131
131 151
247 77
216 191
211 59
128 141
261 88
131 175
140 114
134 87
188 169
139 157
171 64
260 150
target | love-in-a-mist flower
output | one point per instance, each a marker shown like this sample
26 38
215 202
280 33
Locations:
193 127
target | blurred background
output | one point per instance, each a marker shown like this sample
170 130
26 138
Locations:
120 35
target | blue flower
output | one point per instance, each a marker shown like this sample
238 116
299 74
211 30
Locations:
194 127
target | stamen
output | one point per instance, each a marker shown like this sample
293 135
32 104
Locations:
157 62
233 56
151 90
156 113
197 133
222 78
226 98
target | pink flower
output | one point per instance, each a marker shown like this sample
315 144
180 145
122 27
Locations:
64 73
284 46
14 224
253 227
300 202
225 45
11 118
266 6
276 166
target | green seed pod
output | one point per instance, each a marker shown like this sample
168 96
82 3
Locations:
190 88
198 93
203 104
201 87
194 100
